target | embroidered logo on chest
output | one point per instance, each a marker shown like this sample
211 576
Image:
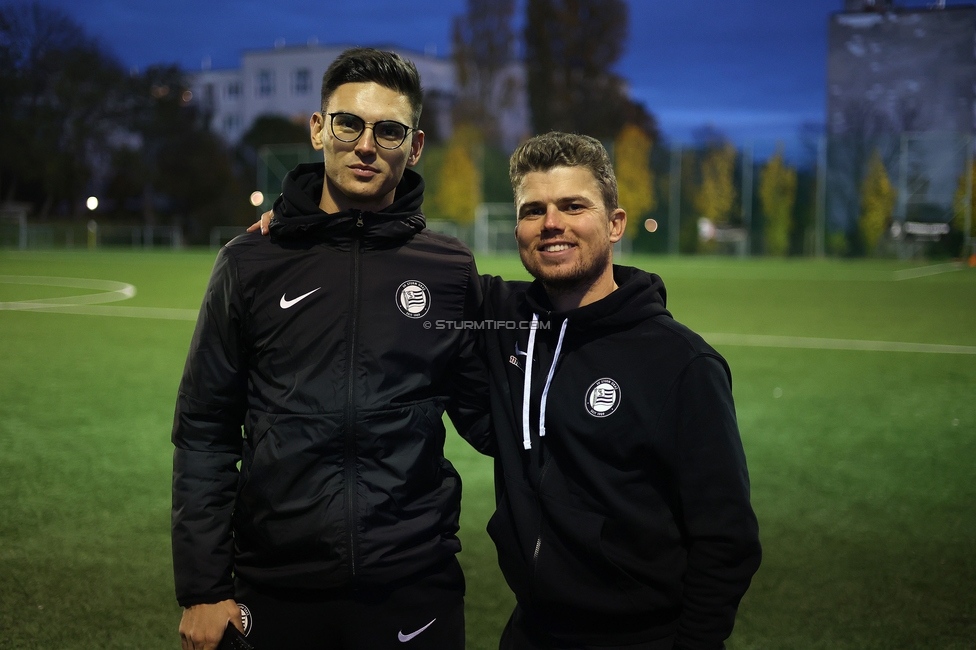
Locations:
413 299
602 398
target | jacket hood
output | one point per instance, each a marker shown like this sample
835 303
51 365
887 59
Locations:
297 215
639 295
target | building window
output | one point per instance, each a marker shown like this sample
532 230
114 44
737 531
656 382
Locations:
265 83
302 84
208 96
232 123
234 89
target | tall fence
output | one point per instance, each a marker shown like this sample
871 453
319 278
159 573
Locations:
712 197
707 198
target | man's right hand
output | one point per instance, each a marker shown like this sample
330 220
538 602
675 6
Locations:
202 626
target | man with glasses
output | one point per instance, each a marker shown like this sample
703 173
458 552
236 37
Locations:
331 523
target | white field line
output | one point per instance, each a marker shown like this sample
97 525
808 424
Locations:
768 341
922 271
88 304
163 313
121 291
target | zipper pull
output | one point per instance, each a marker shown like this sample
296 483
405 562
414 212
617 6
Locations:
359 219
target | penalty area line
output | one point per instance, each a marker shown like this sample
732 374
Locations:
809 343
922 271
162 313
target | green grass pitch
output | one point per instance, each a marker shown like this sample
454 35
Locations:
863 463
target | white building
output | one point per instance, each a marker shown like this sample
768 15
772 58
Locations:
287 81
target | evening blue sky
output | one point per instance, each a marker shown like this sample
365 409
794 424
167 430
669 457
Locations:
754 69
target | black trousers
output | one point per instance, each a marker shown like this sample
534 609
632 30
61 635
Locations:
521 634
425 614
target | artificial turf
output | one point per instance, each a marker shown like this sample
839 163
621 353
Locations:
862 463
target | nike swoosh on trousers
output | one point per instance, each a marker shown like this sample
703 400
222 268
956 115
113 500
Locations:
406 637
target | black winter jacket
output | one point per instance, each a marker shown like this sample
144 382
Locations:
629 520
315 341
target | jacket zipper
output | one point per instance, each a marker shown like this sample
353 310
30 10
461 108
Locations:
350 428
542 476
538 540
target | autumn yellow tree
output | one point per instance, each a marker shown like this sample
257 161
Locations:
877 202
635 178
777 192
959 204
459 188
717 195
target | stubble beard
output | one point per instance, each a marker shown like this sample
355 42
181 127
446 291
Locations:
578 279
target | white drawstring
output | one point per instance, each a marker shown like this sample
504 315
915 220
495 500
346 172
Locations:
552 370
527 384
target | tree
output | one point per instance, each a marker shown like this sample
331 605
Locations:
570 49
635 179
716 196
272 129
877 202
777 192
458 191
172 167
61 101
483 47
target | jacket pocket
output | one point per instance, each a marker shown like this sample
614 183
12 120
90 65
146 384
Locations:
290 480
582 564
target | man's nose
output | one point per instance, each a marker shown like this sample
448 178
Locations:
366 142
554 219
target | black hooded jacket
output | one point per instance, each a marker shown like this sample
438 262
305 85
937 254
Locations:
314 340
623 513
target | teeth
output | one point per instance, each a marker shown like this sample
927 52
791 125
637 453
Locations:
554 248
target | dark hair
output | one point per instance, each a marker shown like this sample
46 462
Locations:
555 149
388 69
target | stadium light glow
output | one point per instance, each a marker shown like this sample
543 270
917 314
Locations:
650 225
257 198
92 203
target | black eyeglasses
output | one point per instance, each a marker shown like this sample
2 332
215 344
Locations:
387 134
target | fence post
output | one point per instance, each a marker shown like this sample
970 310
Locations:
674 200
968 210
747 171
820 212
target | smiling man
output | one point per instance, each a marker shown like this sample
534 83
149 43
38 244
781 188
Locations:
330 524
623 517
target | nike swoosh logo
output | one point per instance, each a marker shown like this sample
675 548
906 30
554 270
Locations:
285 303
406 637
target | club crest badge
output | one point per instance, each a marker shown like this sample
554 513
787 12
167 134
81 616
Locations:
603 397
246 620
413 299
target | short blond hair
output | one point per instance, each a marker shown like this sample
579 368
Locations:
556 149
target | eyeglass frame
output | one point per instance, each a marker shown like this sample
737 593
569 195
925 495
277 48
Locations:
371 125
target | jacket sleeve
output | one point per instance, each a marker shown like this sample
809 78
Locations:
210 410
716 515
469 407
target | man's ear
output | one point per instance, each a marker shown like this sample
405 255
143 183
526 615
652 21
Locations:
618 224
416 147
316 127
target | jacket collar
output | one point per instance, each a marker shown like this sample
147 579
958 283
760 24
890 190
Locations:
639 295
297 216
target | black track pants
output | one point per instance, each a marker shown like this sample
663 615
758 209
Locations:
521 634
427 614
